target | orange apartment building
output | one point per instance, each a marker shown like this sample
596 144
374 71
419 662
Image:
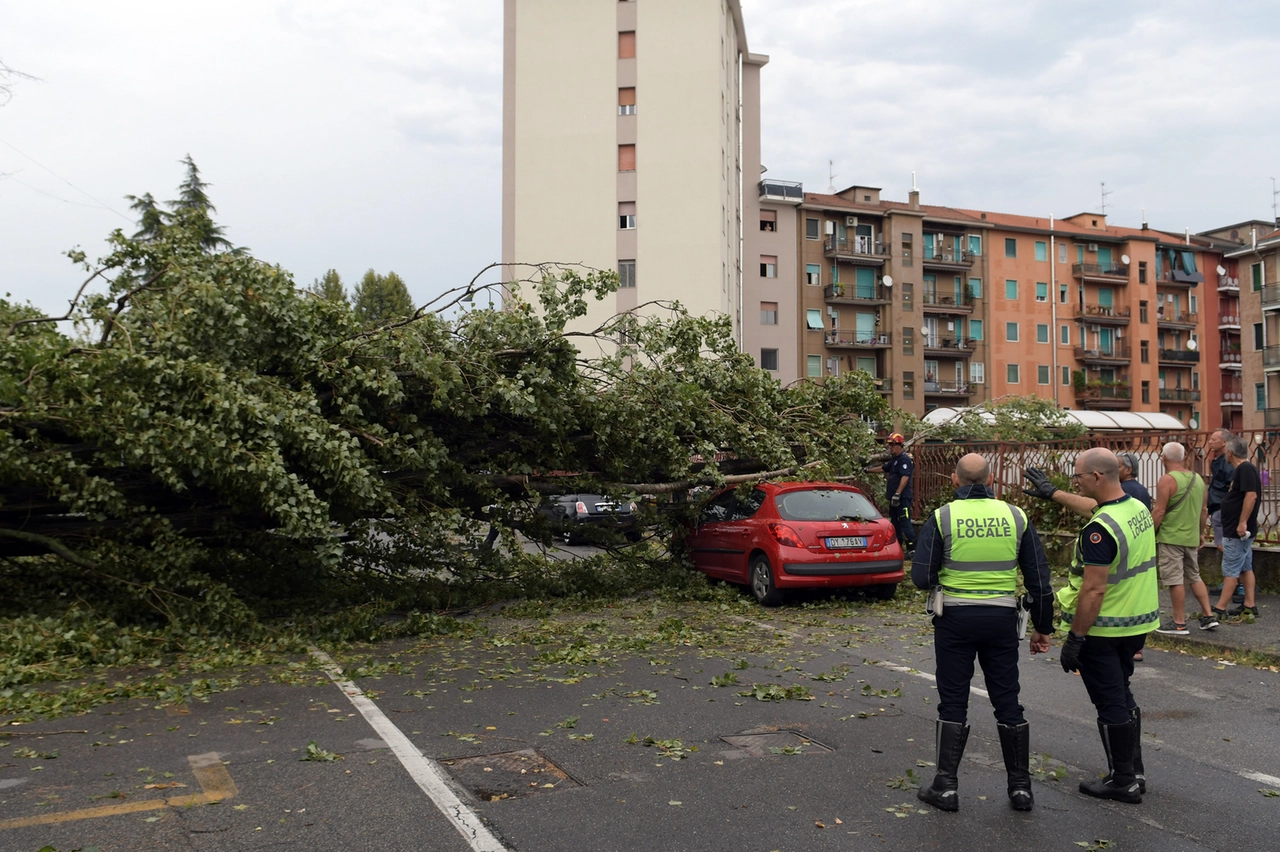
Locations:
950 307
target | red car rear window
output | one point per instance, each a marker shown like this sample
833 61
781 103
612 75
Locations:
826 504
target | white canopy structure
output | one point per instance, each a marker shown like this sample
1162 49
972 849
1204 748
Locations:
1094 421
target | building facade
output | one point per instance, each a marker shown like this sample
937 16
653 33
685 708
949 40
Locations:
629 131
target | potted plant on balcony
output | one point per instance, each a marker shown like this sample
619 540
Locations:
1078 380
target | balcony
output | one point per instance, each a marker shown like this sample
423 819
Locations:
1270 297
1232 394
1228 284
785 191
1177 319
883 385
1229 359
862 250
848 338
1184 395
1117 354
852 294
1271 418
1119 396
1114 272
953 389
1271 358
1229 322
1102 314
949 347
947 259
1178 357
935 304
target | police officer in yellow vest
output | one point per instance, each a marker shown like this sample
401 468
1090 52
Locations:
1110 604
969 553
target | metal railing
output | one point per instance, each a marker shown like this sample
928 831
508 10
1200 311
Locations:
1228 283
1179 395
1180 355
1117 352
958 344
852 337
1229 319
1271 296
1229 356
936 300
784 190
1101 312
854 293
948 256
1177 317
1115 270
947 387
1085 394
854 245
1271 356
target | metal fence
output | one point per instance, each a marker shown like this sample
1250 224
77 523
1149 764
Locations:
935 463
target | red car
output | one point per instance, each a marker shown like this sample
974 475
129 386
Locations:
796 535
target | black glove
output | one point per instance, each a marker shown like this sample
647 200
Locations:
895 501
1040 485
1069 656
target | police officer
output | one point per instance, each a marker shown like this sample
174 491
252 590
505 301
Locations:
898 473
969 552
1110 604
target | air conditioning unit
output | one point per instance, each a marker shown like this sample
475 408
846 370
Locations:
850 221
1093 247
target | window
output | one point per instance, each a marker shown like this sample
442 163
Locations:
908 341
813 321
769 359
1042 251
1260 396
1064 335
627 273
1011 374
1066 375
1062 252
977 373
1062 294
1079 253
812 229
906 249
626 158
1011 332
813 274
627 215
975 288
627 45
908 296
1255 274
768 220
1142 311
1010 247
627 101
768 266
975 329
1257 336
1042 334
1192 304
1146 392
1142 272
1042 374
768 313
813 366
1042 291
1010 289
1144 352
908 384
975 245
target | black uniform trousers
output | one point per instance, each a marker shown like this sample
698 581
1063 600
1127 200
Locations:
989 633
1106 664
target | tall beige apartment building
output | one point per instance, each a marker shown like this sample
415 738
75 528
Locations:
631 141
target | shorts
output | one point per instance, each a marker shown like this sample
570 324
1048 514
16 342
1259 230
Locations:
1237 556
1216 521
1179 564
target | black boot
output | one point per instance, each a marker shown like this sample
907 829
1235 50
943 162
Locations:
1120 783
1015 742
1138 771
951 738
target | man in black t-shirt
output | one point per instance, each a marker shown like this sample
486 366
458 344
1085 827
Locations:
1239 526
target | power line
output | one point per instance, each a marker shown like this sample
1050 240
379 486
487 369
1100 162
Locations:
100 203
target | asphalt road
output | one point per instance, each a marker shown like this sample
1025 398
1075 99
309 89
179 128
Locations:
539 728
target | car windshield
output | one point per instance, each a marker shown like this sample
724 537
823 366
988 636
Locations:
826 504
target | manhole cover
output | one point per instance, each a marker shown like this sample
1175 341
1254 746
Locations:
492 777
776 742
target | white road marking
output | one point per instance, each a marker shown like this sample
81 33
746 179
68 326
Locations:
425 772
1261 778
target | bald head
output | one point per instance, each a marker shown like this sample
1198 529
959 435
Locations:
1102 461
973 469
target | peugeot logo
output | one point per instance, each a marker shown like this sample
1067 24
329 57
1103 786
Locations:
844 526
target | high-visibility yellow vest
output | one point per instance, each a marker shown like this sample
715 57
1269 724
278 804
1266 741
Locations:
1131 605
980 540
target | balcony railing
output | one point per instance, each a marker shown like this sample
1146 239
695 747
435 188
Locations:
1271 356
1228 284
1270 296
854 293
1093 394
782 190
848 338
948 304
1271 418
1102 314
1096 270
1177 318
1179 395
953 388
1232 394
1117 352
947 257
954 347
1185 356
857 246
884 385
1229 358
1229 320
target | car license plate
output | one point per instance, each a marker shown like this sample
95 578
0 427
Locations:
846 541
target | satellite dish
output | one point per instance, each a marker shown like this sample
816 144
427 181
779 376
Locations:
1191 344
1193 424
1124 258
888 282
1222 270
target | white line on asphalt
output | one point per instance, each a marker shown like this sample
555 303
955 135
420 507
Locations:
1260 778
425 772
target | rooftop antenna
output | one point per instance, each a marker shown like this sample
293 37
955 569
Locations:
1105 193
1275 194
831 177
913 181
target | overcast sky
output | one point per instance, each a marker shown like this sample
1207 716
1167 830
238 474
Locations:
357 135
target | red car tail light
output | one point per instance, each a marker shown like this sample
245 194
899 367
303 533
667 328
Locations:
784 535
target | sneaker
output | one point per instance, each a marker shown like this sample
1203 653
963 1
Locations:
1208 622
1219 614
1236 611
1176 630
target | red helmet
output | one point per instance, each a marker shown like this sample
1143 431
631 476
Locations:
896 438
